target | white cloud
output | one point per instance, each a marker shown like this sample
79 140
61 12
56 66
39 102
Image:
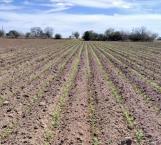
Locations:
6 1
66 23
3 7
61 5
95 3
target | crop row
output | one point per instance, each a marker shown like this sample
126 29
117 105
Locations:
131 96
146 86
38 91
91 93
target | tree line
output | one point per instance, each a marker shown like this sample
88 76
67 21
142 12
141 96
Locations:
35 32
137 34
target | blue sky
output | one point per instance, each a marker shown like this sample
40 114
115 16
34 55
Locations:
66 16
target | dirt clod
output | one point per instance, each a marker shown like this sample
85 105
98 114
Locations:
6 103
126 141
42 104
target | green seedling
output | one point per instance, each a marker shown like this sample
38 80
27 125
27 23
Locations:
139 136
109 142
56 118
48 136
96 141
6 132
129 118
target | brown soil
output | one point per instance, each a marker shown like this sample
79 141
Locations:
75 127
81 81
110 122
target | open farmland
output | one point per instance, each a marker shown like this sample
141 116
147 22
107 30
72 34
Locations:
69 92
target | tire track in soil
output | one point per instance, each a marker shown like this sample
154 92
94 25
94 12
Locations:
32 123
145 116
75 126
112 128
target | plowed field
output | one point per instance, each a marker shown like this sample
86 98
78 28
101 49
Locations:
68 92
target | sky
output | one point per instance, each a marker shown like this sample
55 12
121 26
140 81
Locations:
67 16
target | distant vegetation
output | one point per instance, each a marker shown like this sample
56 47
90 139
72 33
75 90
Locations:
2 33
35 32
58 36
13 34
137 34
76 35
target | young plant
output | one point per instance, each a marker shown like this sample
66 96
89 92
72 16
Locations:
48 136
56 118
129 118
6 132
95 141
139 136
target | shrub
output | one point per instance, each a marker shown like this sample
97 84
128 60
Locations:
58 36
87 36
141 34
13 34
90 35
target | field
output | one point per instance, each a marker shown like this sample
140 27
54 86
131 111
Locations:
68 92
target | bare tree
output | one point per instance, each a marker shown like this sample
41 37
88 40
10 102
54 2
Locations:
2 33
36 32
48 32
76 34
142 34
109 32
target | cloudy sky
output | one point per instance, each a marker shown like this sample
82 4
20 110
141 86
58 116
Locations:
66 16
